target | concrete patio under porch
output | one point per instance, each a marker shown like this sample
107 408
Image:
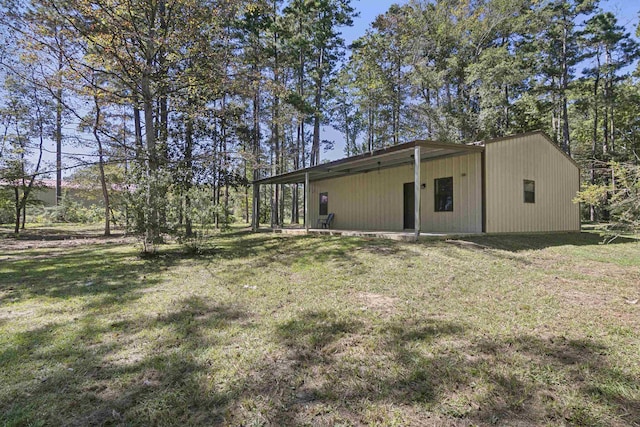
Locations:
405 236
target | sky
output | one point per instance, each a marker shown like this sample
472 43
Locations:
625 10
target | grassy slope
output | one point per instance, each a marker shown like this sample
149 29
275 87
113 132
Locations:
266 329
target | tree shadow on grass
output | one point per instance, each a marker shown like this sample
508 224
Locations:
293 257
254 253
462 256
79 272
324 366
327 376
117 276
95 377
576 366
88 386
525 242
327 367
285 250
307 336
243 244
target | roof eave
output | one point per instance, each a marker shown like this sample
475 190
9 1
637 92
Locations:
361 165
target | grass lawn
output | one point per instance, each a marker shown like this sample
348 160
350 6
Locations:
266 329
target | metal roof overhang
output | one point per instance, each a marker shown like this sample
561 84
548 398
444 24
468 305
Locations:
393 156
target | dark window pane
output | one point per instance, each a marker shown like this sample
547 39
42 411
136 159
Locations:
324 203
443 194
529 191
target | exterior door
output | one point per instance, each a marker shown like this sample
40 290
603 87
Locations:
409 206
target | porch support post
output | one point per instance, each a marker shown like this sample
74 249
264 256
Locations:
306 201
255 219
416 186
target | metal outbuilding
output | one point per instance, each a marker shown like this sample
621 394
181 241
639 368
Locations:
519 183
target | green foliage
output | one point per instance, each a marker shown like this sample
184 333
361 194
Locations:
7 208
625 197
621 197
203 214
593 194
72 211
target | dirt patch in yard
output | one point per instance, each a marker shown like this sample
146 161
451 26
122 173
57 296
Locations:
623 302
378 302
575 297
612 271
467 244
379 249
43 238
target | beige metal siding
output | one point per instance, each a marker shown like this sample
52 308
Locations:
467 195
374 200
46 195
530 157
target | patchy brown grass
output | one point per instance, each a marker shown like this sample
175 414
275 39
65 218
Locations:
263 329
378 302
59 238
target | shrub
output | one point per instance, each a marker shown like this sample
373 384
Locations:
621 197
71 211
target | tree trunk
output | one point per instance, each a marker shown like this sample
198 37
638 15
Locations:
608 108
163 133
21 204
225 165
59 148
303 147
188 157
275 132
430 120
152 232
315 148
256 146
215 172
299 149
594 142
220 177
103 180
566 143
58 133
396 103
246 198
140 214
16 191
296 166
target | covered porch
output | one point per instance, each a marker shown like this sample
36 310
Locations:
411 154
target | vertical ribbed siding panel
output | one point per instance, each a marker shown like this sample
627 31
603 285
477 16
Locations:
356 181
355 198
361 183
508 163
312 205
478 191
